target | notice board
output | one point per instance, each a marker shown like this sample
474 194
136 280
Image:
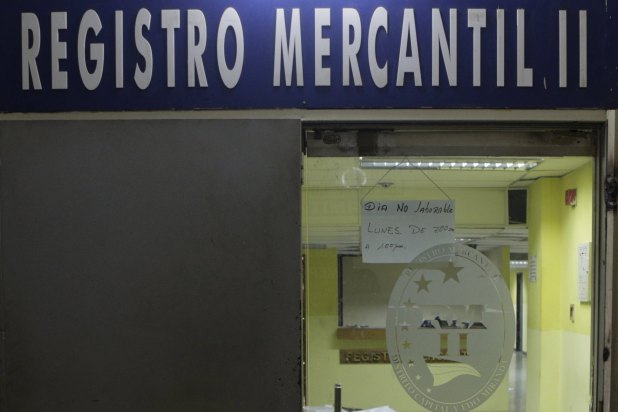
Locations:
397 231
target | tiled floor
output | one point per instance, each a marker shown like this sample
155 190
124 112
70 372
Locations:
517 383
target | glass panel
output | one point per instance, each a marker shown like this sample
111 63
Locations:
499 320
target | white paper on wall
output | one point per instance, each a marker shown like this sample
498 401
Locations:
397 231
583 272
533 270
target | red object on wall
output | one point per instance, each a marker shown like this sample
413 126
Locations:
570 197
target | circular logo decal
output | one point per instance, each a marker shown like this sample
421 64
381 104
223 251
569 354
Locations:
450 328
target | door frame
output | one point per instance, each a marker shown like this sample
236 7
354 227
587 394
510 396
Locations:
526 138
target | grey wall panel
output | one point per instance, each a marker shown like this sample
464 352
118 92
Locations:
151 266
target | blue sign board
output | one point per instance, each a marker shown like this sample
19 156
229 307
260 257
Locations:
244 54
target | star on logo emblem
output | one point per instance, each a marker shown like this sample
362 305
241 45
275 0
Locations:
422 284
450 272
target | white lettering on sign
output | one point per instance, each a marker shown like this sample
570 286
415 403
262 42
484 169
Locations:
397 231
142 77
583 48
524 74
500 48
349 51
379 20
368 40
119 46
58 50
90 22
230 20
288 50
196 45
170 21
448 48
30 28
562 24
476 21
409 63
322 47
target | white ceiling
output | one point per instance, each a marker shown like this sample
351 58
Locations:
345 173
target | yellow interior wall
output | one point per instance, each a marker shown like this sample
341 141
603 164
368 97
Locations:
558 349
364 386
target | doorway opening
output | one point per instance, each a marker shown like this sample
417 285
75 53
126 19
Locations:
519 309
523 198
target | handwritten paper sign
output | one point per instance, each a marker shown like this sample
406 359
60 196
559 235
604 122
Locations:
397 231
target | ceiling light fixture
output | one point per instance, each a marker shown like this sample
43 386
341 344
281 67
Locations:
453 164
519 264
